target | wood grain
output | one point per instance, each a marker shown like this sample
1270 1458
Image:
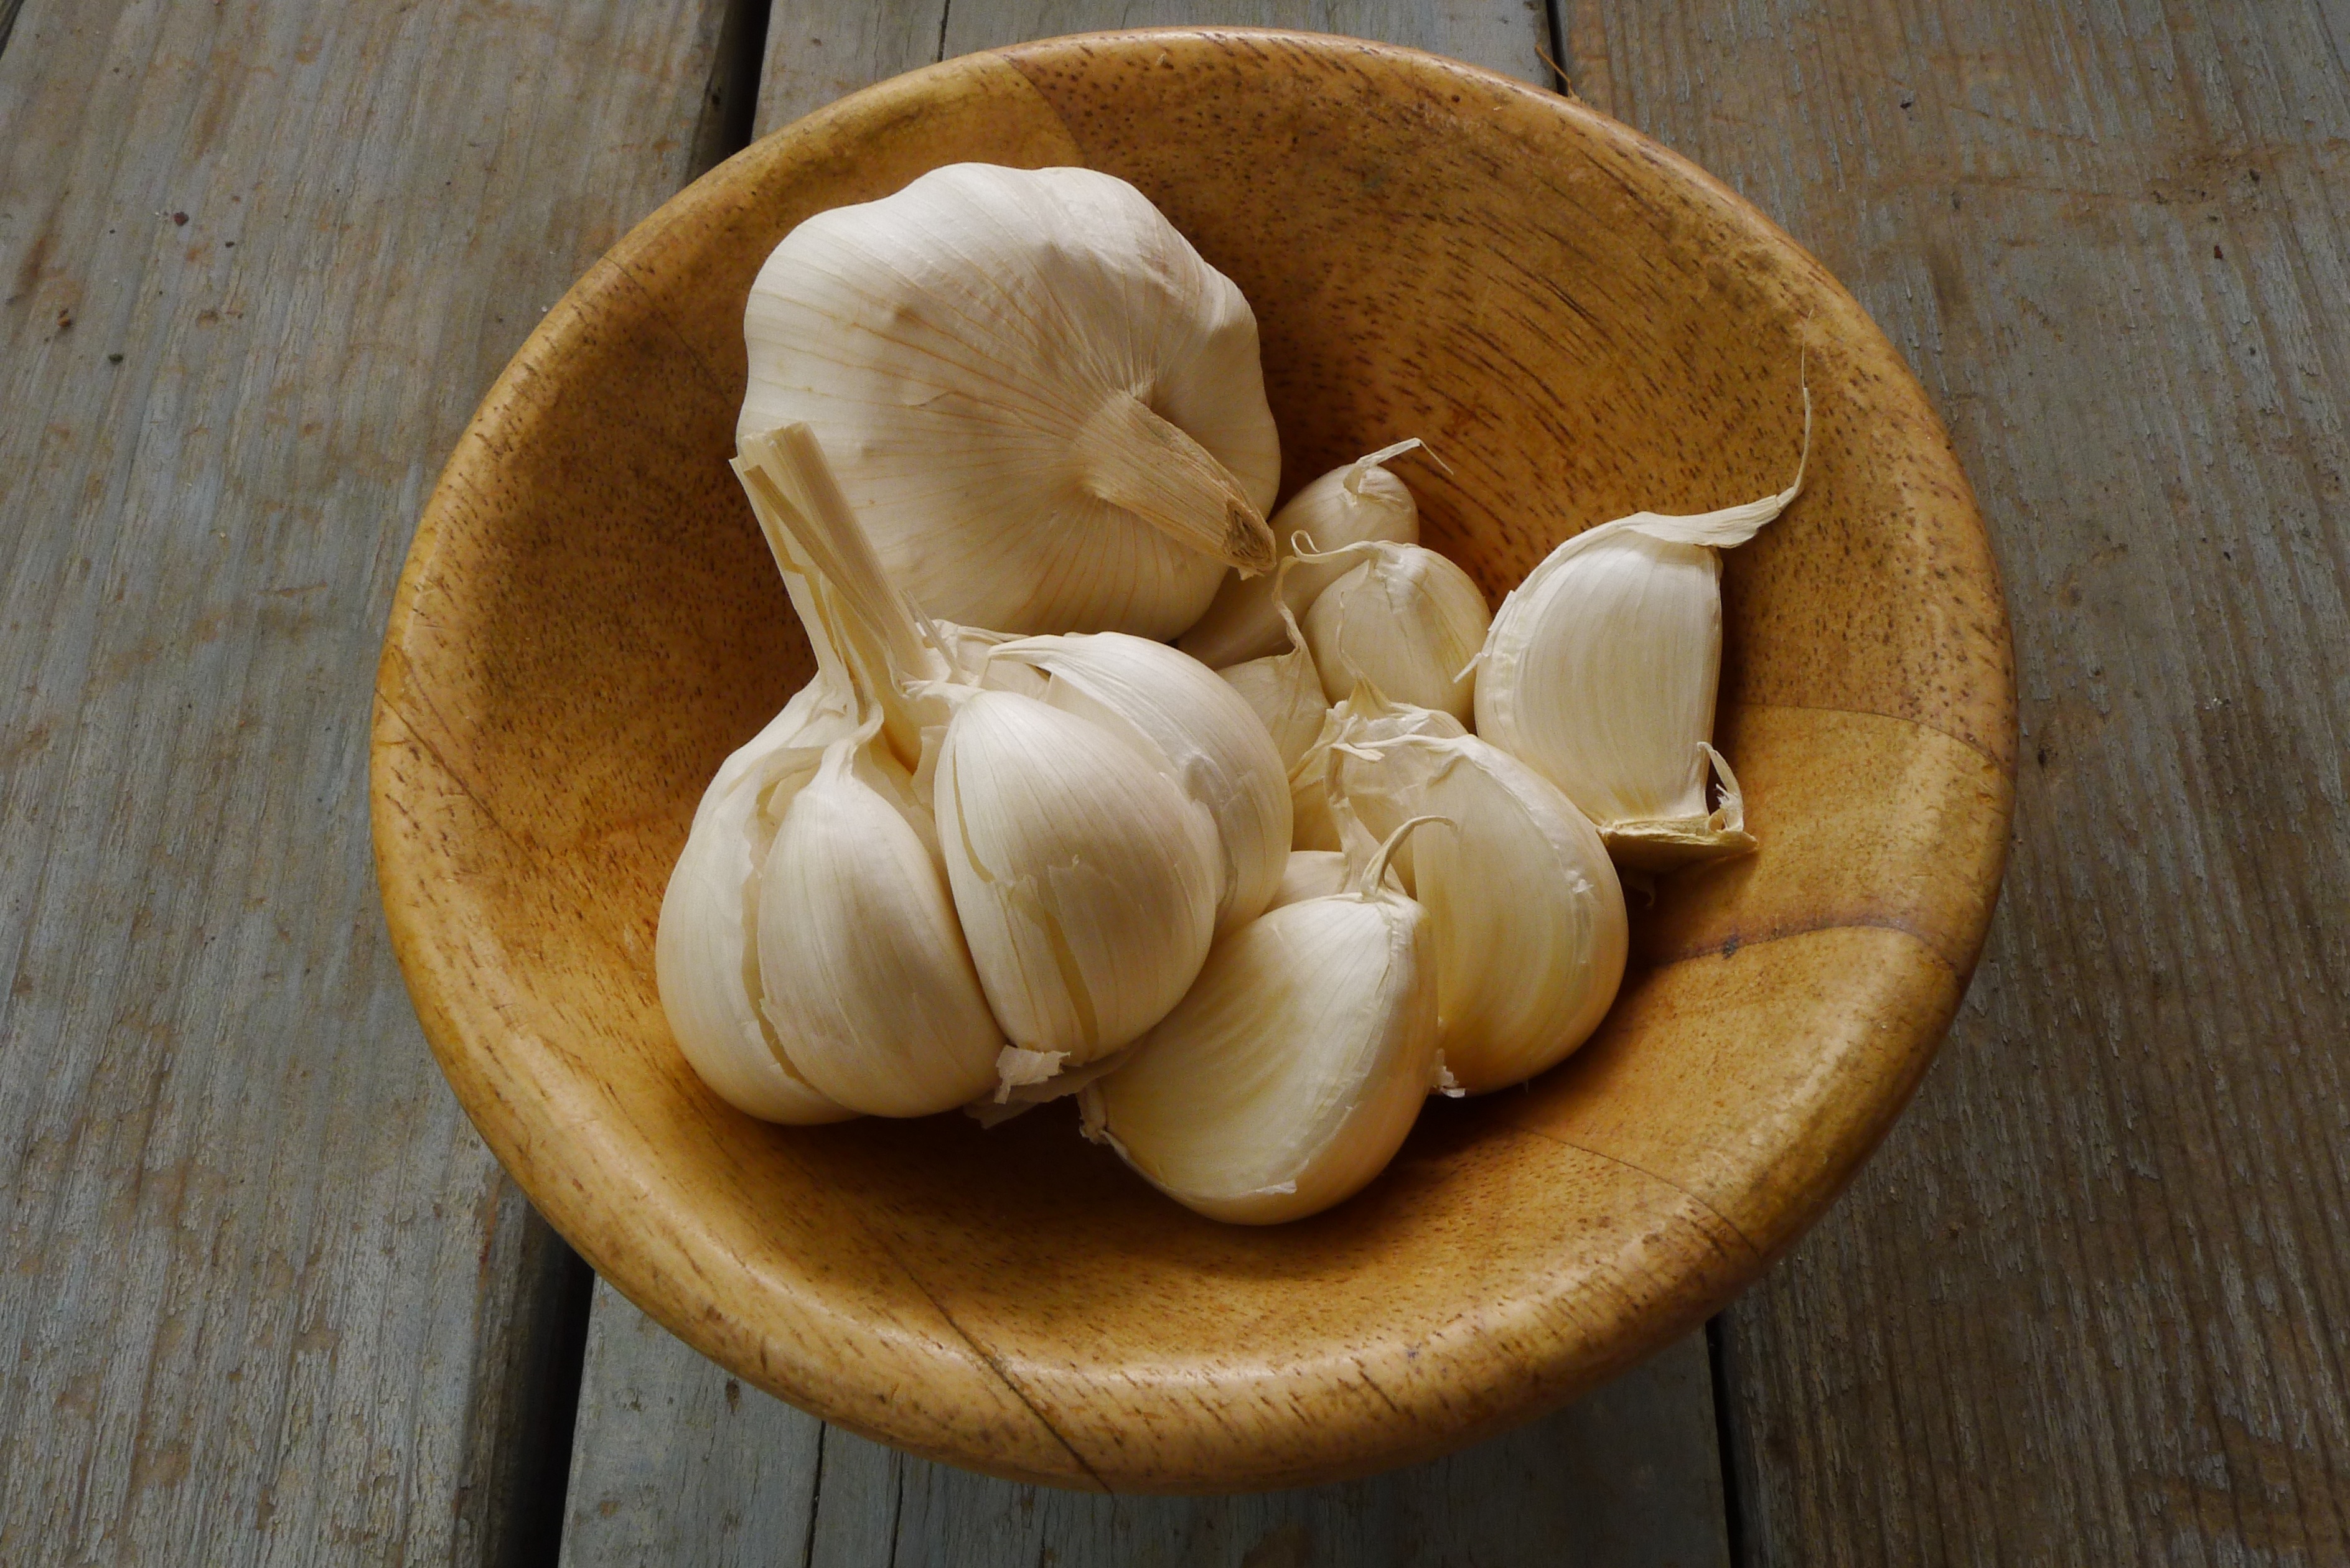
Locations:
2090 1303
682 1463
264 1295
584 629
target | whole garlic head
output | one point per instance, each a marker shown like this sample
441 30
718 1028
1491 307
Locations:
1043 405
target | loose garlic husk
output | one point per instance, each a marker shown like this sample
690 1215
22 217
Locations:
1219 752
1043 406
1313 824
1358 501
1087 881
1527 912
1293 1069
1405 619
1601 670
705 949
1284 689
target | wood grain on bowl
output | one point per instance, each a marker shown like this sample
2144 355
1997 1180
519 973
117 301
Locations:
1583 325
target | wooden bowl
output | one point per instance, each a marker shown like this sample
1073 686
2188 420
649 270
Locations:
1583 325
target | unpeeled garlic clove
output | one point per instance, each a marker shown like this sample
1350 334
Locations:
1284 689
1358 501
1601 670
1293 1069
868 981
1527 910
1312 874
705 949
1404 618
1085 880
1044 405
1215 748
1312 826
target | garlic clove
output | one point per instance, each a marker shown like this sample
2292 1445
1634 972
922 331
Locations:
1405 619
1312 874
705 948
1293 1069
1211 746
1356 502
868 981
1042 403
1312 825
1284 689
1527 910
1086 882
1601 673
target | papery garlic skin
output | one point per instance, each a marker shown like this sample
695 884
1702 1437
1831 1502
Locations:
1527 911
1601 671
1285 691
1351 504
1312 874
1041 403
1216 750
1405 619
705 948
868 981
1293 1069
1086 882
1373 719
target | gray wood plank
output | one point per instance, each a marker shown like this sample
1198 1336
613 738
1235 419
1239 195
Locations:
263 1296
680 1463
1505 36
2090 1303
674 1461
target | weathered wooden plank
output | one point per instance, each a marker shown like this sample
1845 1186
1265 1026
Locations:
2089 1305
263 1296
675 1461
678 1463
1506 36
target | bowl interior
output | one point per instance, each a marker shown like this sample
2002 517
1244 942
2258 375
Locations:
1581 326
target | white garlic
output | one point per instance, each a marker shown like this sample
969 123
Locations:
1293 1069
1527 912
868 981
1312 826
1601 670
1217 751
1284 689
1087 883
705 950
1358 501
1311 874
1043 406
1404 618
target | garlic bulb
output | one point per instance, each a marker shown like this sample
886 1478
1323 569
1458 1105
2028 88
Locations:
1290 1073
1373 718
1601 670
1348 505
1043 405
1217 751
1405 619
705 950
1087 881
1527 912
1284 689
867 979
